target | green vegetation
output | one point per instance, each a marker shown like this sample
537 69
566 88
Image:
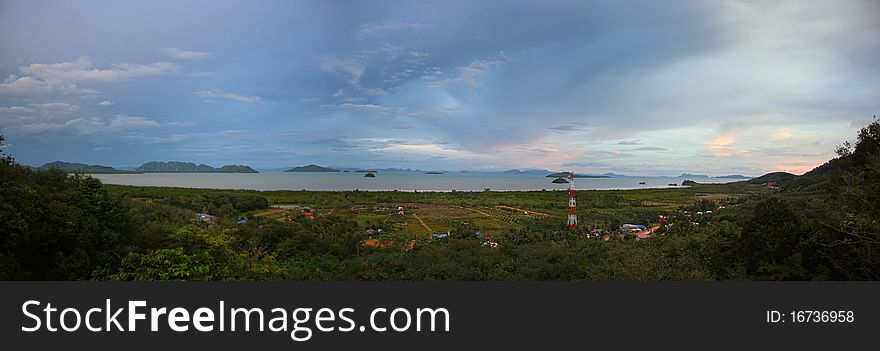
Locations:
776 177
189 167
819 226
311 168
236 169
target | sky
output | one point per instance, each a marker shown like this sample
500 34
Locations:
633 87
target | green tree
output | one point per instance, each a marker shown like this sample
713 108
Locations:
854 238
772 241
168 264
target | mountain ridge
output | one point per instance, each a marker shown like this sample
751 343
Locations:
312 168
83 168
189 167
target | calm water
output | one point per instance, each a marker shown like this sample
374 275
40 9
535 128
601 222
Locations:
404 181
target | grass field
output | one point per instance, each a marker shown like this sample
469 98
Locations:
439 211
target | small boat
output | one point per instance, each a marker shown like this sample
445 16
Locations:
672 184
560 181
642 183
369 175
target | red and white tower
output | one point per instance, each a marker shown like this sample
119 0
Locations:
572 203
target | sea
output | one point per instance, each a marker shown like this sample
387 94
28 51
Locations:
388 181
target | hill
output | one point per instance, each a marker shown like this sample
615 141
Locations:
71 167
311 168
189 167
776 177
236 169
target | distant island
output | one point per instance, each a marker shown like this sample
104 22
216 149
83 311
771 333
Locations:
368 169
688 175
567 174
733 176
364 171
72 167
398 170
433 172
189 167
311 168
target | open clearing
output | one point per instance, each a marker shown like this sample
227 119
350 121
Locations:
496 212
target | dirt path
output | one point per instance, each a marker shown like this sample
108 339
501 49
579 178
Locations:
647 232
423 224
269 212
525 212
480 212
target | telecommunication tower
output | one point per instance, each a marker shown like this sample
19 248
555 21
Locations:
572 204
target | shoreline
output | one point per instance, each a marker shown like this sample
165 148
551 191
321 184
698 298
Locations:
353 182
409 190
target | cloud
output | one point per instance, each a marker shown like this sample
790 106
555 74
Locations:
55 107
380 29
723 146
15 85
105 103
629 142
14 109
81 71
200 74
31 128
583 78
351 69
469 74
125 122
375 92
182 54
571 127
430 149
63 77
179 124
364 107
81 126
650 148
219 94
783 133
